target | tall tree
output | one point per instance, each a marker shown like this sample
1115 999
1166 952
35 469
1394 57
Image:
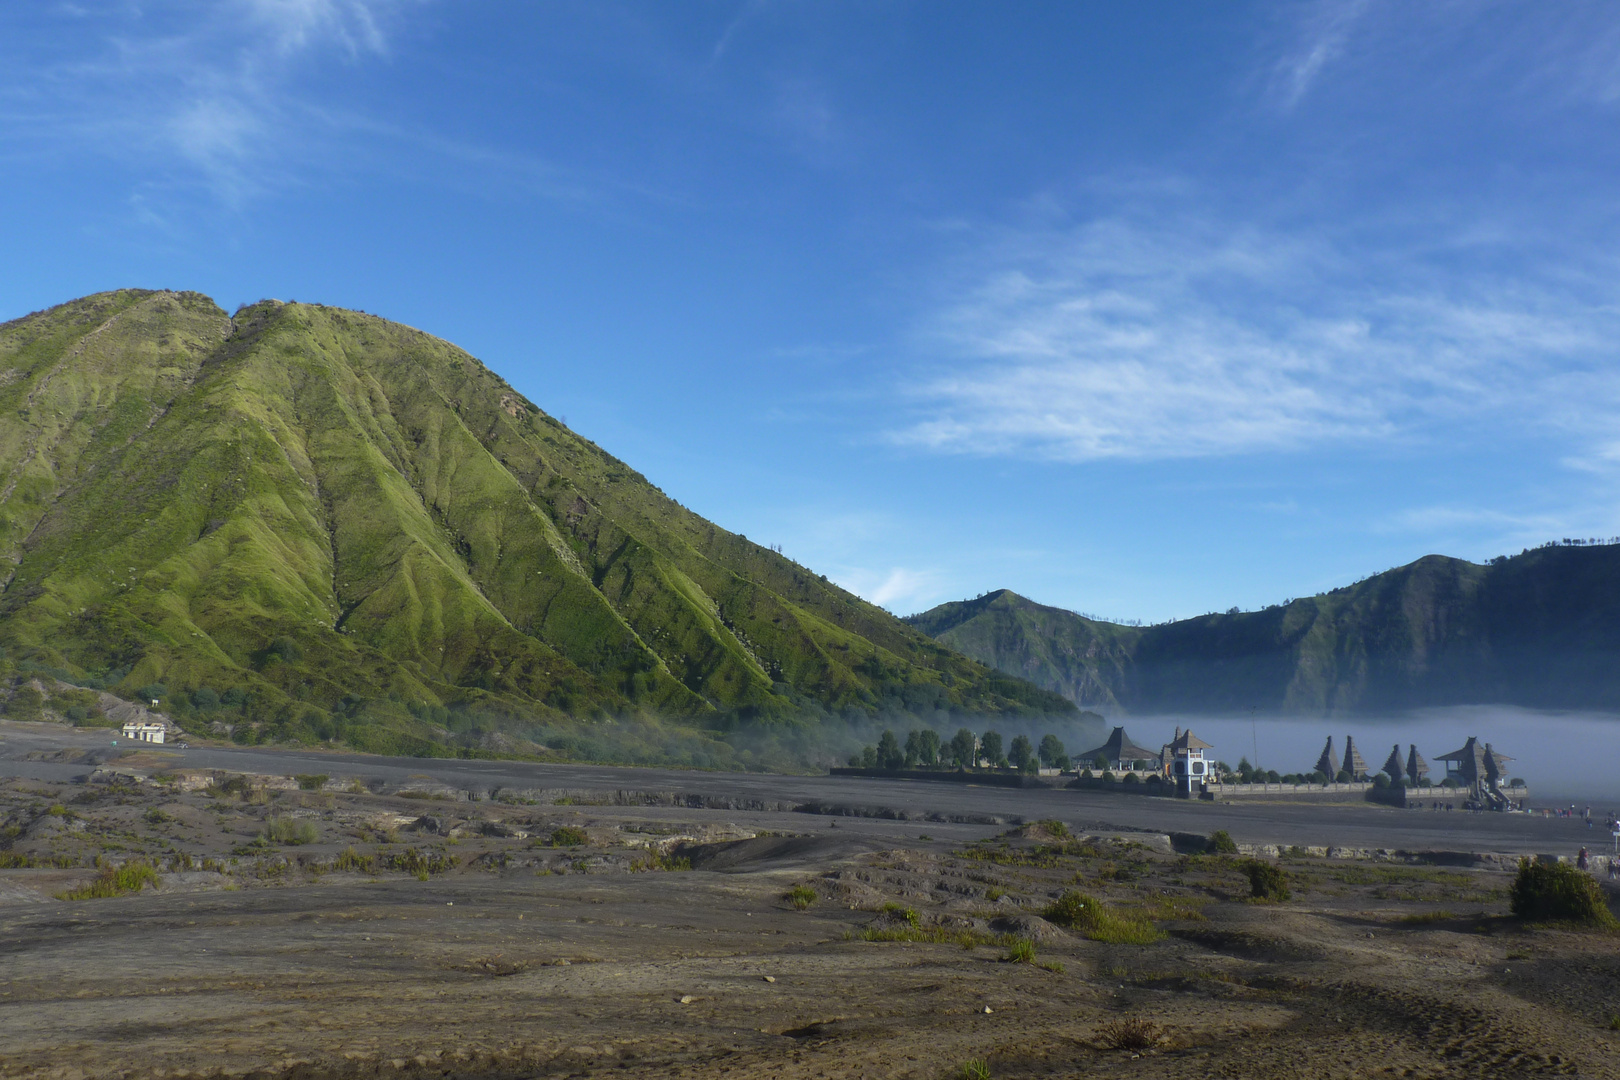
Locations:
1022 754
1051 750
962 747
990 749
930 747
889 754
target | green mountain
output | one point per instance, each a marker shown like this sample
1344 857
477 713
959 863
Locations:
304 522
1540 629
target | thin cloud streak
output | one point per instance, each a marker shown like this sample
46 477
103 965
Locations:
1174 337
215 93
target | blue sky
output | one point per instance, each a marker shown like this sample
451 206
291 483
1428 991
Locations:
1143 310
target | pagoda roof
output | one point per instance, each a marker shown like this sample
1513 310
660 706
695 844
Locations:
1472 757
1188 741
1120 748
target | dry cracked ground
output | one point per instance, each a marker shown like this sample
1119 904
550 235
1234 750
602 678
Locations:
320 929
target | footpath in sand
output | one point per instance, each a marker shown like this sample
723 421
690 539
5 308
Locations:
310 926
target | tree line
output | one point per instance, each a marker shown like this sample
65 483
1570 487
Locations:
924 749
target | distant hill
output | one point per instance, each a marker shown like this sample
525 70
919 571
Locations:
1540 629
306 523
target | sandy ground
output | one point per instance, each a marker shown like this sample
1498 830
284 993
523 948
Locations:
431 936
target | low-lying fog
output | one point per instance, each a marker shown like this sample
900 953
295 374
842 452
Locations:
1563 756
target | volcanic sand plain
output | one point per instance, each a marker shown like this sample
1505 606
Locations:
355 918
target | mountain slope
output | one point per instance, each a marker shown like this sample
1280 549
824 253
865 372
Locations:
304 510
1541 629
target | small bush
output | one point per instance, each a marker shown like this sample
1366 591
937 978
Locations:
312 781
1266 882
352 860
974 1069
909 915
287 831
1557 892
114 881
26 704
1054 827
657 860
1221 843
801 896
1129 1033
1086 915
568 836
417 861
1021 951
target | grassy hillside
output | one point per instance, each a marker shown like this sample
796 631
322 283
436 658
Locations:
307 523
1539 629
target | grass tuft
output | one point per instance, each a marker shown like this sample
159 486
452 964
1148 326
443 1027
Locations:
1100 922
287 831
1129 1033
131 877
1021 951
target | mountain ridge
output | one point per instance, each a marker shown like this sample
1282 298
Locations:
1536 629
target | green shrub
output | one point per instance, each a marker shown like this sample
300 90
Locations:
1054 827
908 914
1547 892
287 831
1097 921
26 704
568 836
801 896
974 1069
1266 881
114 881
1221 843
352 860
1021 951
312 781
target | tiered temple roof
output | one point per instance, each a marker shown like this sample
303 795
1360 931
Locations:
1186 741
1119 748
1475 762
1328 763
1416 767
1393 765
1354 763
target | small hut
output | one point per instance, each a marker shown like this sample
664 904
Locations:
1121 754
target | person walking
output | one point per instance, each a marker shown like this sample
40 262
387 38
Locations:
1580 860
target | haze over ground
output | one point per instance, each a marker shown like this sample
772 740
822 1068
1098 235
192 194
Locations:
1139 311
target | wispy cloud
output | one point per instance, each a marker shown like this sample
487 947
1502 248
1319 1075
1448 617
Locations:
1322 36
210 91
898 588
1447 50
1171 335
